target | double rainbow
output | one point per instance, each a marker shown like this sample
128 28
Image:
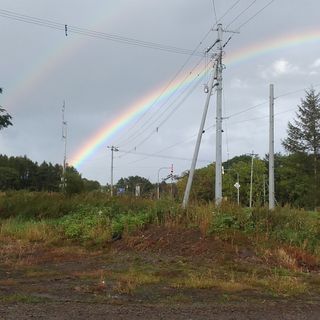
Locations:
101 137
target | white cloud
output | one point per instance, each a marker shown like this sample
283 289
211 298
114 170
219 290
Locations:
279 68
283 67
238 83
316 64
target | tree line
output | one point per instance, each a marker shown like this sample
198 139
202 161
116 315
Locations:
296 173
21 173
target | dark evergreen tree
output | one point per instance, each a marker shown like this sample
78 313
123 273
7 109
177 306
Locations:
304 133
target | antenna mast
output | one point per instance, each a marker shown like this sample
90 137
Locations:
64 138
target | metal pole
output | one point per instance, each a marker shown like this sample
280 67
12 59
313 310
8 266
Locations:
111 172
218 177
196 150
264 190
238 190
271 150
172 181
251 180
113 149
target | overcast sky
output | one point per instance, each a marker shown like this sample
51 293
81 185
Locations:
100 80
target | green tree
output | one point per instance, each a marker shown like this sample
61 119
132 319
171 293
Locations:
74 181
5 118
202 185
9 179
293 178
129 185
91 185
241 165
304 132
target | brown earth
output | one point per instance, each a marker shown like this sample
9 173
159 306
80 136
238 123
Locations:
40 281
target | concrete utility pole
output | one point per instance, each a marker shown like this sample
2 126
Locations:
216 75
238 190
171 174
200 133
218 177
251 179
113 149
271 149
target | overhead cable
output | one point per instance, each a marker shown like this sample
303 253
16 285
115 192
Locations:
95 34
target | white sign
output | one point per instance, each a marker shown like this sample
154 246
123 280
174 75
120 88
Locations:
237 185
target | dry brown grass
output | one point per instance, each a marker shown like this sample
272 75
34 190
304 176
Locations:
129 281
8 282
281 285
210 280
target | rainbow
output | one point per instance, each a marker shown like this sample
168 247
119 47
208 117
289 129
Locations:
272 45
151 100
140 106
29 79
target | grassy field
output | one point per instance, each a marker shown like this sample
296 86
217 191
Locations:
120 249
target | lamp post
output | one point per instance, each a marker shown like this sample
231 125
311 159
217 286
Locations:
158 187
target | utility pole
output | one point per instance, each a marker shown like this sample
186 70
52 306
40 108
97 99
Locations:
264 190
271 149
113 149
251 180
238 190
64 138
171 174
216 80
218 177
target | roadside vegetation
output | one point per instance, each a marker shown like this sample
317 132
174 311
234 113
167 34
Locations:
229 249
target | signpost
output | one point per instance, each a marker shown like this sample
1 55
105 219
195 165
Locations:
237 186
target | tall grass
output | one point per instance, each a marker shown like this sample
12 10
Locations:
97 217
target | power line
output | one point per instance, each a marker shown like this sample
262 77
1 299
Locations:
214 11
169 115
233 123
247 109
94 34
266 101
227 11
241 13
124 142
169 84
142 129
263 8
190 138
159 156
263 117
295 91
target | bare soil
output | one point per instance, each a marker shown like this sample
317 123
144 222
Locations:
39 281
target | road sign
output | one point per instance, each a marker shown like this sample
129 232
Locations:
237 185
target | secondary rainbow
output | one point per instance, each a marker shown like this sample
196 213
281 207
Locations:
240 55
56 55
